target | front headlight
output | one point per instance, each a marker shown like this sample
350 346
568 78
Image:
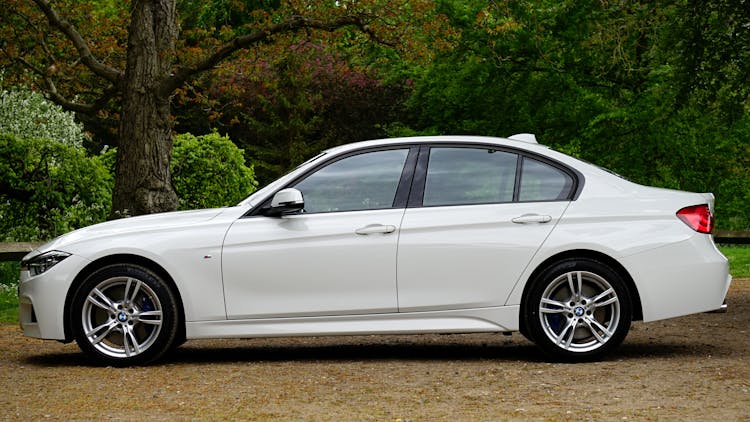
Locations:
41 263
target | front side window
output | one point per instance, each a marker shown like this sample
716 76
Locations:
360 182
542 182
463 176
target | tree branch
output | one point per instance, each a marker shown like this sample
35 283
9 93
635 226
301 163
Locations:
295 23
109 73
89 108
51 90
11 192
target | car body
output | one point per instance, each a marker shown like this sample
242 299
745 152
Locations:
447 234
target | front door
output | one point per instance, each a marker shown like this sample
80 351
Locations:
338 257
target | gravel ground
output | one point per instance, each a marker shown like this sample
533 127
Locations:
689 368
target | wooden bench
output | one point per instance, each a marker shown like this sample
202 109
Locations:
726 237
14 251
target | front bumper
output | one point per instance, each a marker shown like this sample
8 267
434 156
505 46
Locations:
42 298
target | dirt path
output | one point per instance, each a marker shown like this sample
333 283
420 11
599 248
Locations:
690 368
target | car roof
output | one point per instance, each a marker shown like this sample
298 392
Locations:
446 139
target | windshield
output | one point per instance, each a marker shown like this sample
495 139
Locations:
261 193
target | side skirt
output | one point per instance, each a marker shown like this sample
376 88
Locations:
496 319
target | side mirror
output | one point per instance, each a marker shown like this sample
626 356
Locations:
285 202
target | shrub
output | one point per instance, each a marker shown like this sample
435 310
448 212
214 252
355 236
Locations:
8 293
209 171
48 188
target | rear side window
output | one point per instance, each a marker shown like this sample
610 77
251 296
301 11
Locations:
463 176
543 182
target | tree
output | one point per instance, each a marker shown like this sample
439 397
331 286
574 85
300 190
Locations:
153 69
283 110
657 91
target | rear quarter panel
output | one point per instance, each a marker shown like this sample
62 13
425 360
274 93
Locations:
676 270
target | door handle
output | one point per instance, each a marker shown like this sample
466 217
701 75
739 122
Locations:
532 218
375 228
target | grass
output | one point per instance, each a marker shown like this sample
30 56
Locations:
8 293
739 264
739 260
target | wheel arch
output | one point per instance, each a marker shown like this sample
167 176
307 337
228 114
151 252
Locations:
122 259
635 297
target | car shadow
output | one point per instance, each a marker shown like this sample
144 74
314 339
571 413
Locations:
358 352
233 351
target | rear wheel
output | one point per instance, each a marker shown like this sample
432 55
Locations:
124 315
577 310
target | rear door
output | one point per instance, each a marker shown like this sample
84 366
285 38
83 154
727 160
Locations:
476 217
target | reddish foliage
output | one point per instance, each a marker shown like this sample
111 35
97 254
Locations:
283 110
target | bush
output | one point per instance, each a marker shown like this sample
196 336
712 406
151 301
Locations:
48 188
8 294
209 171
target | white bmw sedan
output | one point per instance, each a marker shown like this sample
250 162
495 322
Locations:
398 236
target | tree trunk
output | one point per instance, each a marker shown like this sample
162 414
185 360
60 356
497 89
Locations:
143 182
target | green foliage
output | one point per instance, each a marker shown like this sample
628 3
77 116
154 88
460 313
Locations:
27 114
48 188
739 260
215 14
656 91
209 171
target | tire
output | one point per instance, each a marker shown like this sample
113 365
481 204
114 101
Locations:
124 315
578 310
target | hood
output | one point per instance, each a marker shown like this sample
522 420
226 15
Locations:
140 224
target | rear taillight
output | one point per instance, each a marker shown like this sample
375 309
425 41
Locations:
697 217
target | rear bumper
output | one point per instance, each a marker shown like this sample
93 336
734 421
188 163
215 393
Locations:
724 306
682 278
721 310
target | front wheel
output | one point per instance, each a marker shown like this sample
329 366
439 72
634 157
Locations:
578 310
124 315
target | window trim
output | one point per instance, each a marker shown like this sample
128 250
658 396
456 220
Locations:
402 190
416 197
